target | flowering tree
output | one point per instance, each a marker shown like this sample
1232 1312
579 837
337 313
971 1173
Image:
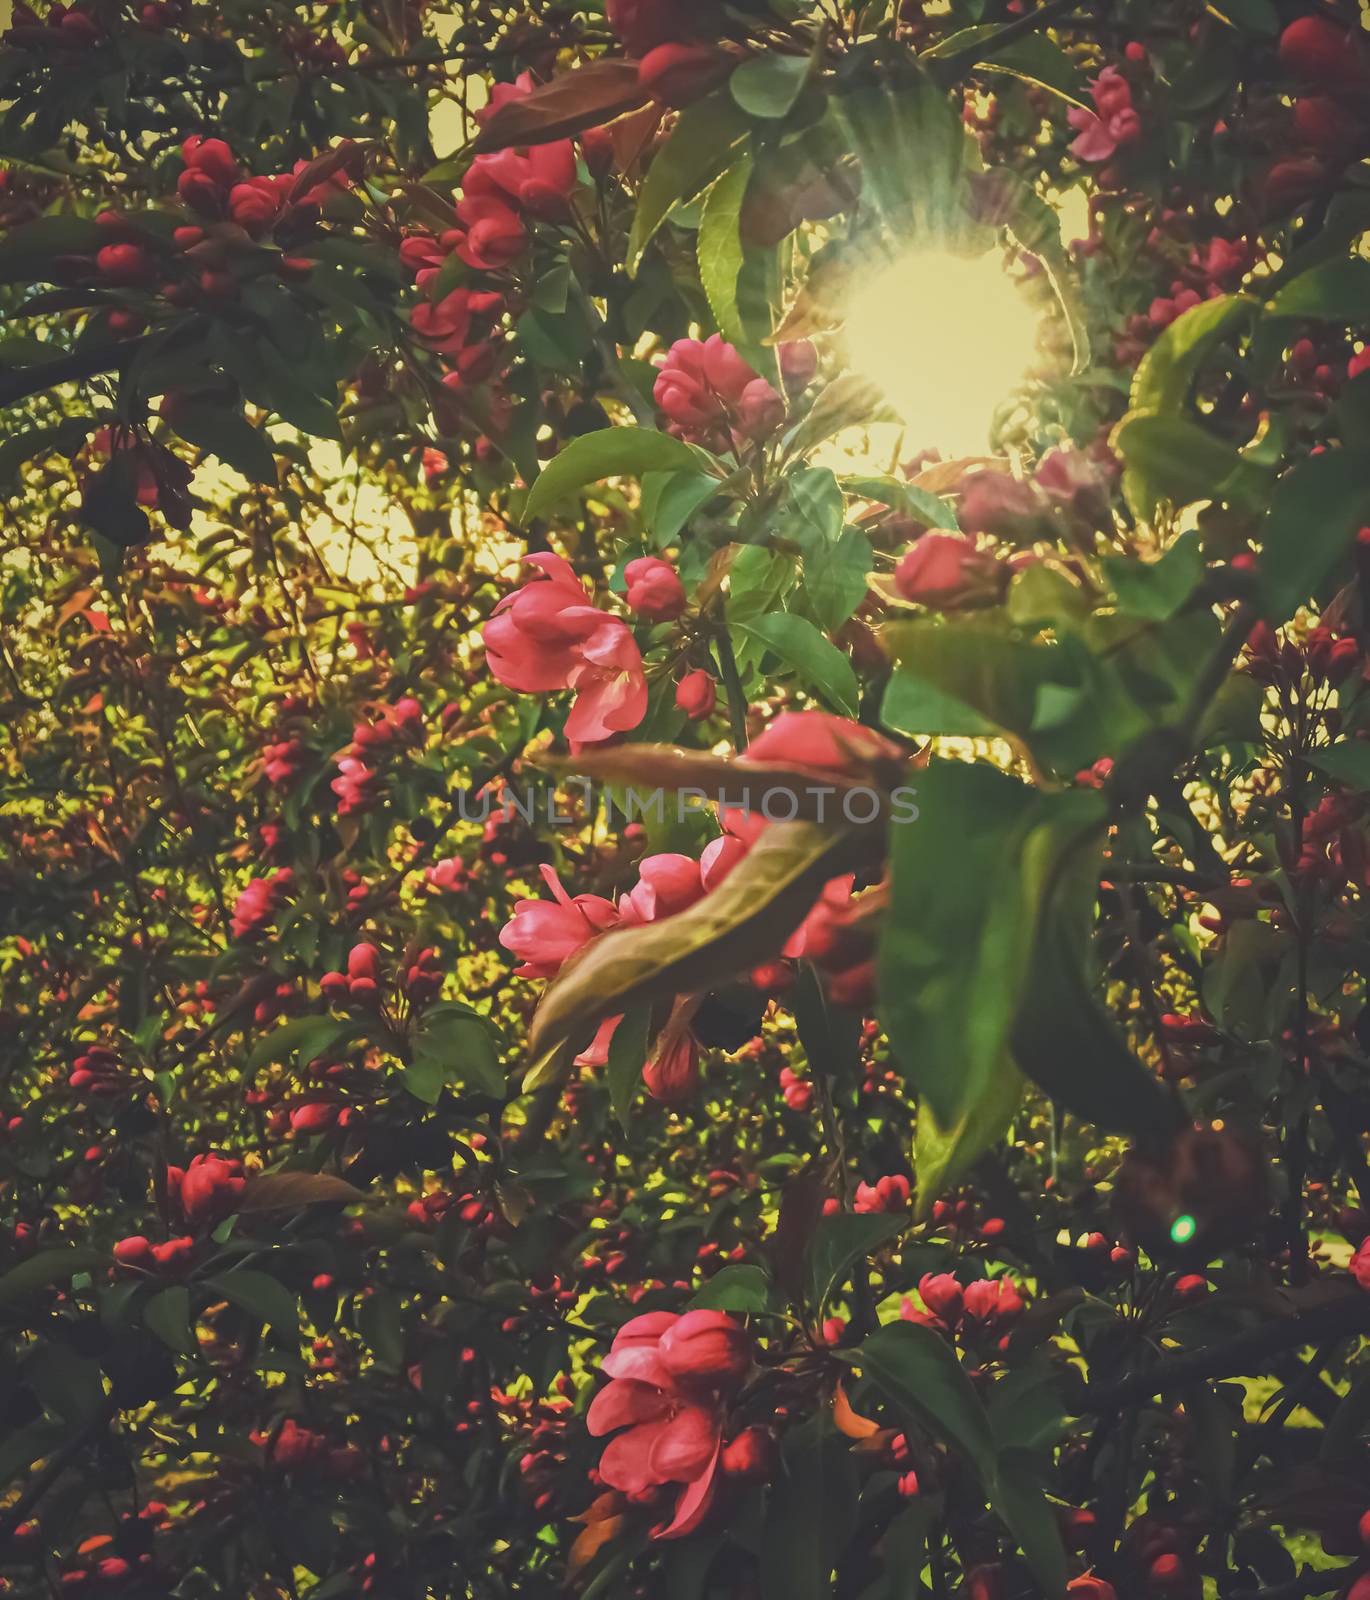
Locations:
610 990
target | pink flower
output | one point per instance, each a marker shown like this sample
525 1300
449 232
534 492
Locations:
547 636
706 388
494 235
1114 123
890 1193
1360 1264
946 570
498 187
654 589
546 934
666 884
1003 507
821 742
255 204
446 324
815 936
667 1434
1071 481
696 695
1112 93
718 860
672 1074
208 1189
503 94
611 688
942 1295
992 1301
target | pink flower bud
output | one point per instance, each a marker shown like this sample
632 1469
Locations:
946 571
654 589
696 695
707 1349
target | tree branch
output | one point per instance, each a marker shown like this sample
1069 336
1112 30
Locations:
955 67
1244 1355
25 382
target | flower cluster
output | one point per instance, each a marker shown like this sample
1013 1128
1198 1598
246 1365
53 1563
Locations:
259 902
1114 122
547 636
710 396
673 1377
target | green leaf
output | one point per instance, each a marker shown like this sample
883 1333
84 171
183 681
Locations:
748 916
699 148
1016 1494
830 1034
167 1314
849 401
720 248
811 1515
1171 458
611 453
837 559
1347 762
1237 986
267 379
66 437
1036 59
230 436
980 955
927 508
739 1287
1156 590
292 1191
817 662
627 1054
1041 595
768 85
1062 1039
1314 515
1167 371
68 1385
261 1296
670 499
380 1324
37 243
300 1039
839 1241
43 1270
454 1046
918 1370
942 1156
1067 705
1336 291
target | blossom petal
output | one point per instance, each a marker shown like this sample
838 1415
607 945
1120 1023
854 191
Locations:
686 1445
694 1505
622 1403
625 1463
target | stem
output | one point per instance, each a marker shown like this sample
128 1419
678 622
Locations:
953 68
29 381
1240 1356
737 699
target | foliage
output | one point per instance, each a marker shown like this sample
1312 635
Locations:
923 1146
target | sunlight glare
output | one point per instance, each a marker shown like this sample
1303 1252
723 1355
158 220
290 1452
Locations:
947 339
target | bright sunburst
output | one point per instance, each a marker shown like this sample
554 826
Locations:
946 338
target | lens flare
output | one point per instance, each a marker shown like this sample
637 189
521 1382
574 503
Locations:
947 339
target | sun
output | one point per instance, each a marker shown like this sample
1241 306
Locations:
946 338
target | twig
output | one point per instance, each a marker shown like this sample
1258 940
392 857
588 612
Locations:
1241 1356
